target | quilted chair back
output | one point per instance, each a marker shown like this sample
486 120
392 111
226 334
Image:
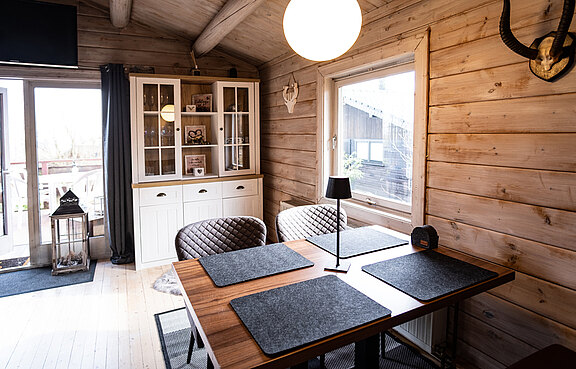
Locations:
310 220
218 235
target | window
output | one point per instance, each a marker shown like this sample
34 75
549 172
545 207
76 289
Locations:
375 116
374 113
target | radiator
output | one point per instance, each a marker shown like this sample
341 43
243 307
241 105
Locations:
427 332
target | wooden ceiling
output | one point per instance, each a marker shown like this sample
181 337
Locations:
257 39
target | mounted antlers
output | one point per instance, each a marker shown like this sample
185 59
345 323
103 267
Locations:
290 96
551 55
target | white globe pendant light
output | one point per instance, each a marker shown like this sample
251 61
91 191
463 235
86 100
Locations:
322 30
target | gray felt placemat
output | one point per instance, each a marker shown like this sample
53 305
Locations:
256 262
287 317
356 241
427 275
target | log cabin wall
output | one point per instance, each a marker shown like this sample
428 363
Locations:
501 166
136 46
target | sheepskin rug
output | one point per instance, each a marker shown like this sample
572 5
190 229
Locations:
167 284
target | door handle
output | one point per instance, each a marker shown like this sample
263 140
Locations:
161 194
202 191
240 187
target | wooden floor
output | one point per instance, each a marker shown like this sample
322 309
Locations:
108 323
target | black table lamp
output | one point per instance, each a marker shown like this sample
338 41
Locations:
338 188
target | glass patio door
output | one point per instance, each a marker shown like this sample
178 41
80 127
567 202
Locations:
6 245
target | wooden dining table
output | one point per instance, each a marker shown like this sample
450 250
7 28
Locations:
230 345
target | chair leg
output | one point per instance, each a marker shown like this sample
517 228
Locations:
198 338
383 344
209 364
190 347
322 361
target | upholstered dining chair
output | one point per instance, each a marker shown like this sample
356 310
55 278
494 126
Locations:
309 220
216 236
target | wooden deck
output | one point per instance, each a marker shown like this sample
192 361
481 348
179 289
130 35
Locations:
108 323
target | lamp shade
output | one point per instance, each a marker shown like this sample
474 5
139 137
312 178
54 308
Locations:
338 188
321 30
167 113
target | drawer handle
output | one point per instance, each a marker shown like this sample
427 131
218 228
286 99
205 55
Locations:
161 194
240 187
202 191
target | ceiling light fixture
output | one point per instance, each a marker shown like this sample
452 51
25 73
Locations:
321 30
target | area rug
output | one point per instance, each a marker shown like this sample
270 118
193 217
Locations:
31 280
14 262
167 283
174 332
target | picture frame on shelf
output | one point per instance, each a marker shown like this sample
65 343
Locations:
195 135
203 102
193 162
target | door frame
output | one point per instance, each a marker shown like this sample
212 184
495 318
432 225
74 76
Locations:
40 254
6 239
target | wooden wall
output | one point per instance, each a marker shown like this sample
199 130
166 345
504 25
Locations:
501 171
136 46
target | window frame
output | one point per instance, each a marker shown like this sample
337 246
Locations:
412 49
335 127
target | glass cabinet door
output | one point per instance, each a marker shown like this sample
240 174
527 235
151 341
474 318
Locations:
238 129
158 131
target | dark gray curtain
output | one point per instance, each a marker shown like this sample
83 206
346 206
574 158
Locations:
117 162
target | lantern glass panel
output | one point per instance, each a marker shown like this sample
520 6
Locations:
69 243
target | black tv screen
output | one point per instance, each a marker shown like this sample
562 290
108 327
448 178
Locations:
38 33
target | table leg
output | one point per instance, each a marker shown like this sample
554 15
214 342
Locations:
449 355
366 353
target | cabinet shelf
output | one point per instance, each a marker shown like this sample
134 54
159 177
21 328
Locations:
198 146
198 114
207 175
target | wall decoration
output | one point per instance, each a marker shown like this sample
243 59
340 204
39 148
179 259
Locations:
190 108
552 55
203 102
195 135
193 162
290 93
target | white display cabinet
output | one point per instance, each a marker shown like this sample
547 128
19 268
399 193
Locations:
180 124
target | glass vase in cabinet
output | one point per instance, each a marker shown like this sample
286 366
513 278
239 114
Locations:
158 126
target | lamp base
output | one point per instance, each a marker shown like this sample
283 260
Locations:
342 268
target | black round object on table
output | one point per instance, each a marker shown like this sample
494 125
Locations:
425 236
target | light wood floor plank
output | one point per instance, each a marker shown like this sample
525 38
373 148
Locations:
108 323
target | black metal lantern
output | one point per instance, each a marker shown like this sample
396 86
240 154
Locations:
70 250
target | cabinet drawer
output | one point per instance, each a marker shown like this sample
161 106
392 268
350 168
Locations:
202 191
246 187
160 195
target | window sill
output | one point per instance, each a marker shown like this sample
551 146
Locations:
363 214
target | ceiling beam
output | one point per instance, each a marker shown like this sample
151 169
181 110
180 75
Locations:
231 14
120 12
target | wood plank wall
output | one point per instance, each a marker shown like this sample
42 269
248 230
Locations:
135 46
501 172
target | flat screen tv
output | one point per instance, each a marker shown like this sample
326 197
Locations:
38 33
